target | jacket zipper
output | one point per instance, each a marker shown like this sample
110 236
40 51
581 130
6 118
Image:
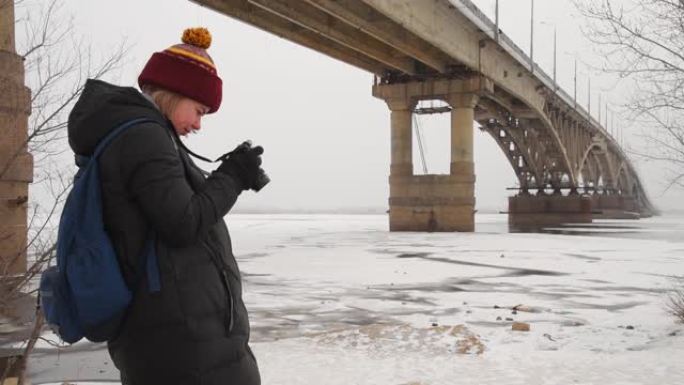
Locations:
220 267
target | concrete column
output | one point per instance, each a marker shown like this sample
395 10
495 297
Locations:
533 213
16 164
402 139
7 25
432 202
462 118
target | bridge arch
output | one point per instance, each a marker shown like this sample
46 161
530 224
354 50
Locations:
624 181
537 150
598 154
511 139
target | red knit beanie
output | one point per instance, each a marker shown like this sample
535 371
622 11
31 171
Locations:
186 69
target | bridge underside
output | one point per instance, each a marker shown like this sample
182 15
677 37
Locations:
568 167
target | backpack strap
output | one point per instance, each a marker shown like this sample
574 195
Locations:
149 261
104 142
82 161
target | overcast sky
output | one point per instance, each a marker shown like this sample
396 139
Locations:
326 138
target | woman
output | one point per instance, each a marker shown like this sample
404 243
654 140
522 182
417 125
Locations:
195 330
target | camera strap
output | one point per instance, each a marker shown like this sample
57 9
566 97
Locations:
189 151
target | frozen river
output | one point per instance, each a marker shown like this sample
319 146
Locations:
337 299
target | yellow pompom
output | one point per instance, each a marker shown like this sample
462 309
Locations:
199 37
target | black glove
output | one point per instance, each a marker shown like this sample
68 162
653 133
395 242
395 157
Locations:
242 164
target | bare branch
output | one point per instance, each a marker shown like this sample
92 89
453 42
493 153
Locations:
644 42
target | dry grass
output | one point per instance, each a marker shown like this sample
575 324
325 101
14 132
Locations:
675 303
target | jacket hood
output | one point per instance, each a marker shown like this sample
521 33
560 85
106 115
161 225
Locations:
101 108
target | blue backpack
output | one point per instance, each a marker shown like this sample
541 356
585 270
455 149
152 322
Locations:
85 294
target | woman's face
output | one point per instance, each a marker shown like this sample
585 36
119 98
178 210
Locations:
187 116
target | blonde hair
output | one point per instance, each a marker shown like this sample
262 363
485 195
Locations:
166 100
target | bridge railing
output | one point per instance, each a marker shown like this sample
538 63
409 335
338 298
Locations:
486 25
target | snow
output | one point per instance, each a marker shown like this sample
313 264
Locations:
337 299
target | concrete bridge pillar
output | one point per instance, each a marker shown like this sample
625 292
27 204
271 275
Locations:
16 164
535 212
462 117
615 206
401 137
432 202
462 169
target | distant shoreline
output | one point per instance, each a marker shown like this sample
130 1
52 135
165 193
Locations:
371 210
342 211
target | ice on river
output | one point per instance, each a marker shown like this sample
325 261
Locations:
337 299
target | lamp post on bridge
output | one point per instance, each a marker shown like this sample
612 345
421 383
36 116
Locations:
555 56
610 126
575 82
496 17
606 118
612 122
574 56
619 136
532 36
589 96
555 52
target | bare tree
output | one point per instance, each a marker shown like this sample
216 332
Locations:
643 41
57 64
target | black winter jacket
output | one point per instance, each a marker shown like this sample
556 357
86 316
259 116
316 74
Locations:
195 330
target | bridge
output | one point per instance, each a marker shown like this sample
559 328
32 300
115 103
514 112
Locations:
569 168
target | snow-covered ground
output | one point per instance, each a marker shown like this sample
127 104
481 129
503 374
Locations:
337 299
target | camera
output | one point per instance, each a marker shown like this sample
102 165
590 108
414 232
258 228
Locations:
262 179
